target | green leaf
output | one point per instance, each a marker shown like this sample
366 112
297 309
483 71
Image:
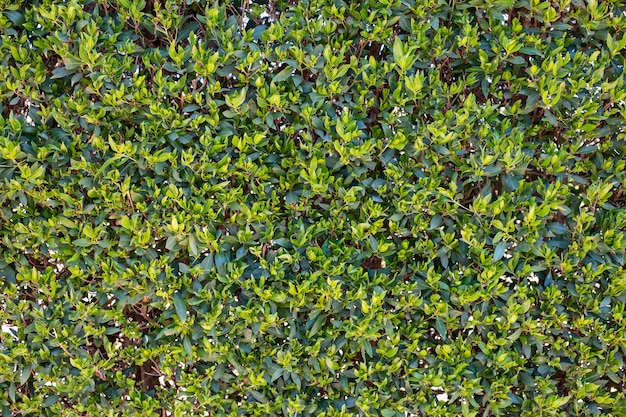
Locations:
181 307
83 243
317 325
51 400
8 273
440 325
259 397
11 391
499 251
14 16
435 221
530 51
126 223
25 375
283 75
398 50
236 99
61 72
193 248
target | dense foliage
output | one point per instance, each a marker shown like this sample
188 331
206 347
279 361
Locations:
316 208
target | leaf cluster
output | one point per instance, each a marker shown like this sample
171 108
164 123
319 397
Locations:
315 208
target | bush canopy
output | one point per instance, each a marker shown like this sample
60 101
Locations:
312 208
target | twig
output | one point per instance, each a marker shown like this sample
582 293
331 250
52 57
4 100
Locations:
244 8
67 352
130 198
272 10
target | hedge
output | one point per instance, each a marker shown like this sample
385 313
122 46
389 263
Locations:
312 208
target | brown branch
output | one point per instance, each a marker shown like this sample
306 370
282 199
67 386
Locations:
244 8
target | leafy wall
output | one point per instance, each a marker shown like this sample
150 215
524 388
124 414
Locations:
317 208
